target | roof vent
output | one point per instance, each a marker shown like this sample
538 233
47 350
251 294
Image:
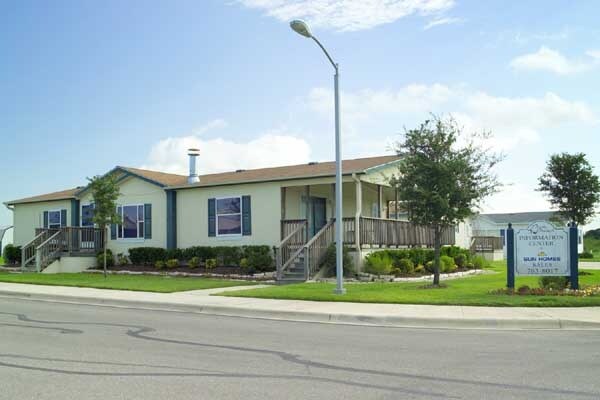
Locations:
239 170
313 163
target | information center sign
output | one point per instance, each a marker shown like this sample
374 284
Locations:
542 250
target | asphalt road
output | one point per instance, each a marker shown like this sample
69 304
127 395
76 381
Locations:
64 351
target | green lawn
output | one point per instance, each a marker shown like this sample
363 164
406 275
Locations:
592 244
466 291
163 284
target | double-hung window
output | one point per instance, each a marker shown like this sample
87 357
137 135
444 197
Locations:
132 217
54 219
87 215
229 216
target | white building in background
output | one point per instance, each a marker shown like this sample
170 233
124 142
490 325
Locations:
495 225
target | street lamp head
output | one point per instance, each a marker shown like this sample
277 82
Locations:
301 27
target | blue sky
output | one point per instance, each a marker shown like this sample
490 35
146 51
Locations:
90 85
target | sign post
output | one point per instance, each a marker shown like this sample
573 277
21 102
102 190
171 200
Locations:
574 255
542 249
510 257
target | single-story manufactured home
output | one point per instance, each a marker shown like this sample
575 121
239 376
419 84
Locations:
290 208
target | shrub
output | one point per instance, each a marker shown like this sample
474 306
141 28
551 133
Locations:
419 269
429 266
194 262
553 282
586 254
329 263
460 260
122 259
12 254
246 267
159 264
258 258
147 255
171 254
479 262
228 255
524 289
406 266
172 263
202 252
447 264
110 259
378 263
211 263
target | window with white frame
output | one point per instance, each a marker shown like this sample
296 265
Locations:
132 217
54 219
229 216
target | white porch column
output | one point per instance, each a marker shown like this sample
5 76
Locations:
380 202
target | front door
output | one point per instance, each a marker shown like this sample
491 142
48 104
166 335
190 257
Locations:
318 217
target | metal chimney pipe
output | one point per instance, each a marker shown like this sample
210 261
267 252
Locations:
193 154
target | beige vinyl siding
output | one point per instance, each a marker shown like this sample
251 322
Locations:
192 215
137 191
29 216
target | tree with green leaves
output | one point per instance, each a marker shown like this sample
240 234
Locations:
105 192
571 186
443 176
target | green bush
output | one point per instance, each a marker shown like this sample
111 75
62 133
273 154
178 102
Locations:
259 258
110 259
147 255
246 267
228 255
122 259
429 267
461 260
159 264
211 263
419 269
479 262
329 263
173 253
378 263
586 254
553 282
194 262
172 263
12 254
447 264
202 252
406 266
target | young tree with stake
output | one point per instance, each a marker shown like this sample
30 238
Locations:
442 181
105 193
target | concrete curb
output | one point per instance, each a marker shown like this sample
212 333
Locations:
550 323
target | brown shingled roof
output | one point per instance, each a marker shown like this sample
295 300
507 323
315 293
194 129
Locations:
310 170
160 177
61 195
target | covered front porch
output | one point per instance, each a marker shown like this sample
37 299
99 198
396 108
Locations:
369 221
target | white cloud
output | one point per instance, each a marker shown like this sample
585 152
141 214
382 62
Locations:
512 120
348 15
218 154
546 59
595 54
442 21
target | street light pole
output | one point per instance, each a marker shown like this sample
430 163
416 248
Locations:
302 28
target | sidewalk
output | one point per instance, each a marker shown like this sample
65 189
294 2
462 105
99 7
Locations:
392 315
